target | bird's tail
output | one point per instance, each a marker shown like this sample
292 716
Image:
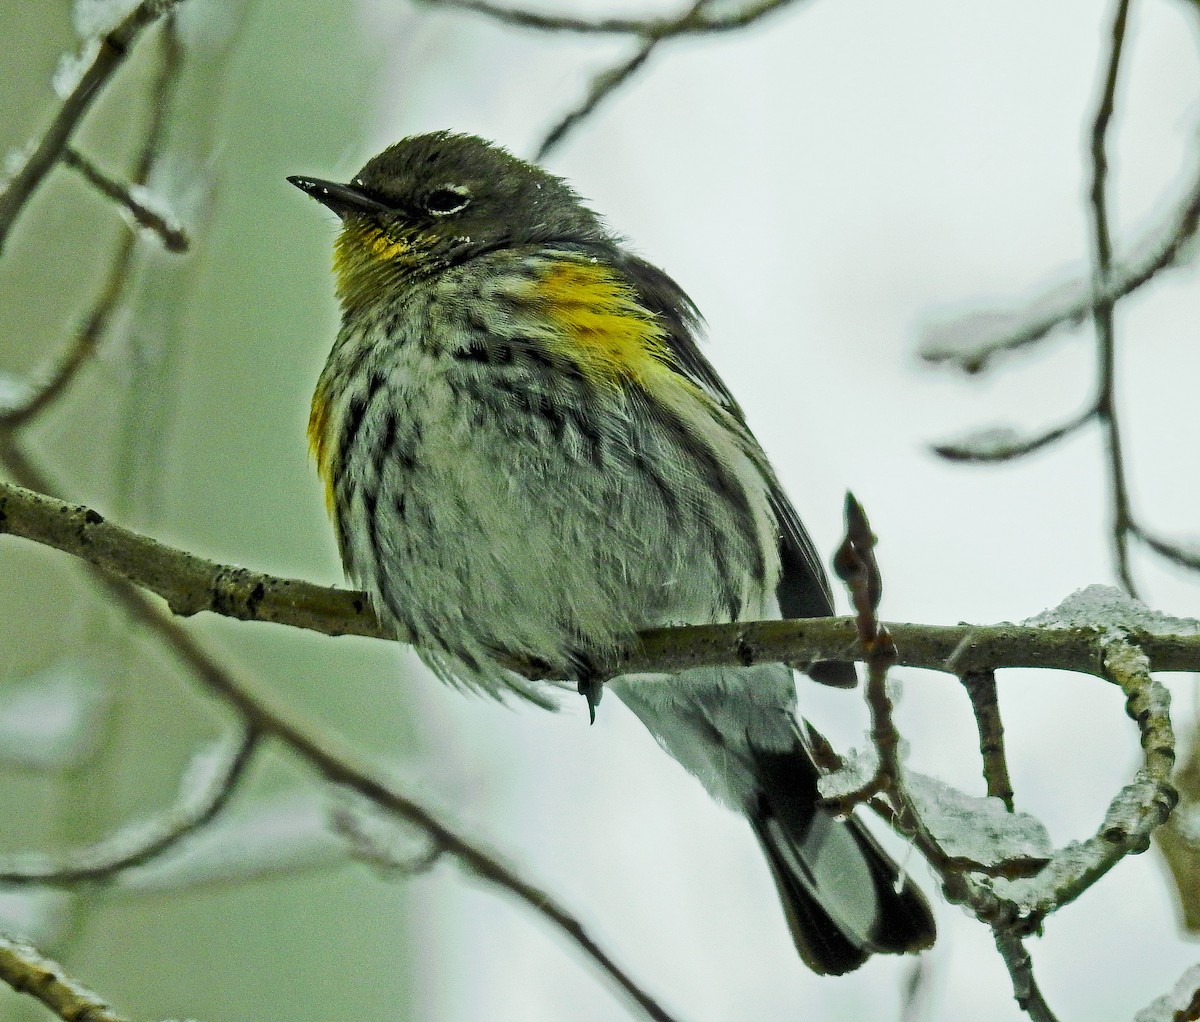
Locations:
844 897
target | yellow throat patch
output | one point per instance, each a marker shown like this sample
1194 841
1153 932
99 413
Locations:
369 261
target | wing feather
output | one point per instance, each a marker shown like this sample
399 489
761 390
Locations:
803 589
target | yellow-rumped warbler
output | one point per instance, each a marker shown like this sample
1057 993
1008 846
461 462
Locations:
525 454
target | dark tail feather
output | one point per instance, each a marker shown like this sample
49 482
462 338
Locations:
837 885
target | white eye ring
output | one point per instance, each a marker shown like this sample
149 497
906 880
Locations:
447 199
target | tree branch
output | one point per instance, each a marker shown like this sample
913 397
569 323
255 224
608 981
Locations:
1020 968
191 584
173 237
56 380
981 690
110 55
602 86
24 969
607 82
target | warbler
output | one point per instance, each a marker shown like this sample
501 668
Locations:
526 455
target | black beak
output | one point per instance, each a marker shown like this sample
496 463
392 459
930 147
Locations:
342 199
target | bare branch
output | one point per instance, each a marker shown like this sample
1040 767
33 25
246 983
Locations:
857 567
110 55
1020 968
1174 552
188 583
981 690
24 969
173 237
607 82
999 444
602 86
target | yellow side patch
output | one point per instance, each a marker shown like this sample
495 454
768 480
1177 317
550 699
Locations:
602 326
318 437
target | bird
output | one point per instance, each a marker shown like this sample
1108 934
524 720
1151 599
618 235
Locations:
527 458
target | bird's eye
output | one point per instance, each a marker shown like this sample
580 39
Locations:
447 199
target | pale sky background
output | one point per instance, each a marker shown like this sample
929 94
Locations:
823 185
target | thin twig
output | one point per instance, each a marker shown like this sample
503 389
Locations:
1020 968
1102 307
603 85
24 969
856 565
686 24
107 859
173 237
110 55
607 82
1173 552
337 765
1000 445
981 690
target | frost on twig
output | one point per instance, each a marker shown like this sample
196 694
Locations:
1182 1004
141 206
858 768
94 18
1110 610
980 830
71 68
391 845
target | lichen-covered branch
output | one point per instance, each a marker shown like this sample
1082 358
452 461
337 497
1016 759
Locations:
27 971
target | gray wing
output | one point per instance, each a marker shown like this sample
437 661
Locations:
803 589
